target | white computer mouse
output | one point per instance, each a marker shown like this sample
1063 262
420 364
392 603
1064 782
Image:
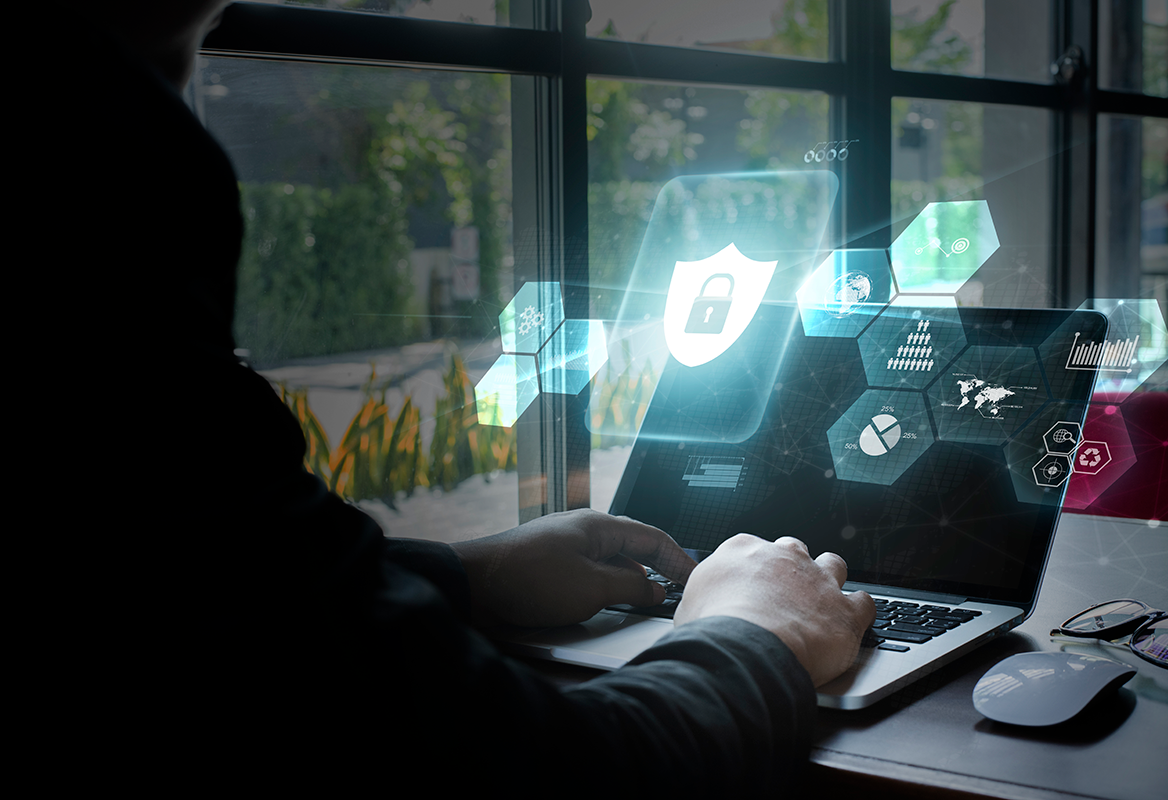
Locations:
1046 688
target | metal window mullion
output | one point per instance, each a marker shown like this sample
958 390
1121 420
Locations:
1132 105
291 32
1075 190
963 89
652 62
866 115
554 443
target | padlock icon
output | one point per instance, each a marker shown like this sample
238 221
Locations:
710 311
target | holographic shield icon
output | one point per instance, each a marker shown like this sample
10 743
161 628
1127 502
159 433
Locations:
692 340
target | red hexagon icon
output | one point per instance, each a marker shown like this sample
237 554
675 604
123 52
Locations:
1091 457
1104 455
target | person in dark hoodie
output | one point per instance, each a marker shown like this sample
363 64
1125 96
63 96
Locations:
244 624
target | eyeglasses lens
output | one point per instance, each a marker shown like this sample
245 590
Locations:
1105 616
1152 641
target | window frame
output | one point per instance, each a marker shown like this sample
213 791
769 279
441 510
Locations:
552 59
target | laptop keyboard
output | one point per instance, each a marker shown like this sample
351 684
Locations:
898 622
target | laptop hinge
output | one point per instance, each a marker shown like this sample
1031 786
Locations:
907 594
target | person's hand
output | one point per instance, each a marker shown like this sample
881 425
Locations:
777 586
565 567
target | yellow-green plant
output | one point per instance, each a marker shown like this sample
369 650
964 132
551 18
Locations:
316 454
381 455
621 402
452 458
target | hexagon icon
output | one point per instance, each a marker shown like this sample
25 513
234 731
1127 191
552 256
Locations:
1091 457
912 341
1051 470
1039 474
987 394
880 436
943 246
1063 437
576 351
508 388
1103 456
845 292
531 317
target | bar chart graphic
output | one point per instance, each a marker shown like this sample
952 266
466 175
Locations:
713 472
1105 356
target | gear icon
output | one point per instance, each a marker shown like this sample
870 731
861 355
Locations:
530 318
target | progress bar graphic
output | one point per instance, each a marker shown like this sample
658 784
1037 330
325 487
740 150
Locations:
1106 356
713 472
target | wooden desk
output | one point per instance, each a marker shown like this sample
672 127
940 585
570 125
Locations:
928 741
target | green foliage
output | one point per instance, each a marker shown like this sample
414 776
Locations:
925 45
321 271
326 269
800 30
781 126
626 119
1155 59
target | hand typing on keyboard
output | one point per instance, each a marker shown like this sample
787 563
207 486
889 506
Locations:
778 586
563 568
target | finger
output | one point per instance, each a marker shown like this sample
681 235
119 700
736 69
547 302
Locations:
864 607
625 582
648 545
793 543
834 566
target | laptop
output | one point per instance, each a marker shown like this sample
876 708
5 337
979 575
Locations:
941 491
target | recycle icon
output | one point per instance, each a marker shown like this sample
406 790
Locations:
1092 457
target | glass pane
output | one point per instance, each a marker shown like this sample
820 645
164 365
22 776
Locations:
478 12
793 28
1133 46
1132 211
984 38
640 136
375 262
973 151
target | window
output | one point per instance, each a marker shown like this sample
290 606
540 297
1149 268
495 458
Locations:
407 166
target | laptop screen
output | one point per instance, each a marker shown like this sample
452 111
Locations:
950 482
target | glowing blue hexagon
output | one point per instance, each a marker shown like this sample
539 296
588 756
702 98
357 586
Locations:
987 394
508 388
944 246
880 436
912 341
531 317
572 356
845 292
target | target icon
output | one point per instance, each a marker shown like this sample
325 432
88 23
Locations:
959 246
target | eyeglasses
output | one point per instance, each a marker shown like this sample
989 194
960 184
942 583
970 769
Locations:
1146 627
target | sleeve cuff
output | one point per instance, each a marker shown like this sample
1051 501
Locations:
437 563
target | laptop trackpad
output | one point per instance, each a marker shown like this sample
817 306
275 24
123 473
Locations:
607 641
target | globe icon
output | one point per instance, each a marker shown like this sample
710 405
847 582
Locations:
847 293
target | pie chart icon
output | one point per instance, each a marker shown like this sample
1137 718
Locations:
880 435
